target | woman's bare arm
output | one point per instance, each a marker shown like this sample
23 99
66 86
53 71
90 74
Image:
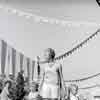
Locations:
61 75
61 79
41 80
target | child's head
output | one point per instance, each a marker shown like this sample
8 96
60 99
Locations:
33 87
49 54
74 89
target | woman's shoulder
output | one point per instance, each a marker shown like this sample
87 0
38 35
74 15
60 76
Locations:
58 64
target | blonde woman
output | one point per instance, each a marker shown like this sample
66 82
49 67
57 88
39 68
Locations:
52 83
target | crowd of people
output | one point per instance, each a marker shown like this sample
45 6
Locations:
13 89
50 86
21 89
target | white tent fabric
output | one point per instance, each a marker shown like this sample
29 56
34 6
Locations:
0 55
8 57
25 67
12 62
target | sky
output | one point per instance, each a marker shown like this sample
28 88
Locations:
32 38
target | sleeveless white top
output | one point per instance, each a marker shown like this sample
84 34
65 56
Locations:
51 75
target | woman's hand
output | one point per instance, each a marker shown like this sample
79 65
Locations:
38 59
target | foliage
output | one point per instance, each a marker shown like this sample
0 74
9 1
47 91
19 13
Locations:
17 91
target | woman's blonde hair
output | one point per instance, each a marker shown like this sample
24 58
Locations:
51 53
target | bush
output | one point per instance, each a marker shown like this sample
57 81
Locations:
17 91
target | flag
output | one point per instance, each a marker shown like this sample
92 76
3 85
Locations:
8 58
30 77
33 67
17 63
0 56
21 61
13 61
28 67
3 55
25 67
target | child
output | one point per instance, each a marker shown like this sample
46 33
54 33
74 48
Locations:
73 91
52 83
33 93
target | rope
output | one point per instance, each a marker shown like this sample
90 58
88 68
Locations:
83 79
78 46
89 87
75 48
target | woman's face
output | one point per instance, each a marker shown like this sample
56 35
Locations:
46 55
74 90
